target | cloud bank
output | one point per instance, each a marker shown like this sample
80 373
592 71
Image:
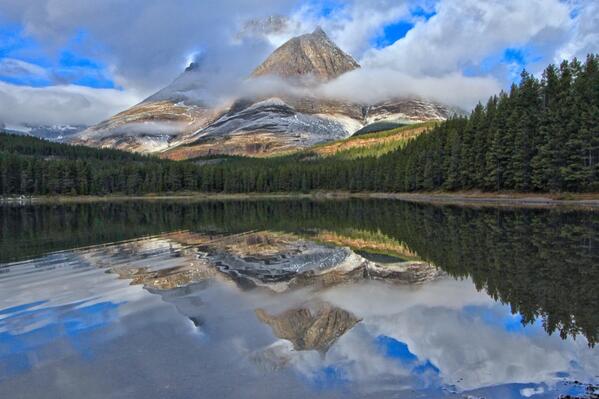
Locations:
75 105
457 52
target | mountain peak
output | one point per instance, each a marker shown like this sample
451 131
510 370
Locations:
319 32
312 55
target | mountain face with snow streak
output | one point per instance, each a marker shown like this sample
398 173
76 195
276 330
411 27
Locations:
182 122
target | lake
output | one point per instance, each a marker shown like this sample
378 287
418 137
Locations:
297 299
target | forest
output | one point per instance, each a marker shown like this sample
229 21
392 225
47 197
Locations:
541 136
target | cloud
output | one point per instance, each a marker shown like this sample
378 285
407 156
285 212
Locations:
353 24
146 42
444 322
372 85
68 104
453 53
10 67
465 32
585 35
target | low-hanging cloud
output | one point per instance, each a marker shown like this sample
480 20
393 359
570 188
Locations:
373 85
370 86
60 105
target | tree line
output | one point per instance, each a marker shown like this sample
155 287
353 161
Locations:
541 136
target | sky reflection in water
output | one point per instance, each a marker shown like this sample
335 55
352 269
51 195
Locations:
154 318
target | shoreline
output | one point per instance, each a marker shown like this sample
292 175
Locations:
467 198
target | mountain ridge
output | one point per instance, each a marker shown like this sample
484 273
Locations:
180 122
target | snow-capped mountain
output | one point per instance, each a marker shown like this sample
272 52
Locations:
181 122
49 132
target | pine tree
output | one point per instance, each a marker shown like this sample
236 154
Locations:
545 173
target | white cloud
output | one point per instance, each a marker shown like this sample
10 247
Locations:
464 32
61 104
585 35
14 68
146 43
371 85
353 25
469 352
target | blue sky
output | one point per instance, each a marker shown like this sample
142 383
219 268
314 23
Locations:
33 65
129 51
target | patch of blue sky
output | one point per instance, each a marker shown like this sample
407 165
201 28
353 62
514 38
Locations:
11 39
500 317
67 66
83 71
425 372
506 64
15 44
574 11
20 308
328 377
392 33
577 391
392 348
515 56
52 322
14 364
26 80
426 368
324 9
423 13
73 321
69 59
399 29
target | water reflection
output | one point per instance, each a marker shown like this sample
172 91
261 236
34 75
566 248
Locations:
310 330
327 300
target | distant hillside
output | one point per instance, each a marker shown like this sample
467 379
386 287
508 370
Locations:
45 149
372 144
59 133
378 127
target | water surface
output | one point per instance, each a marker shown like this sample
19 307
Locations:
297 299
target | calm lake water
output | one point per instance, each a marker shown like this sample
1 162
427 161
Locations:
297 299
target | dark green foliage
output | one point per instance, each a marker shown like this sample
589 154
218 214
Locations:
541 136
378 127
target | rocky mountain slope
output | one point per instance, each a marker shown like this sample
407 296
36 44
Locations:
312 55
178 123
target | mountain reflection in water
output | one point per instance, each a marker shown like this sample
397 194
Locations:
301 299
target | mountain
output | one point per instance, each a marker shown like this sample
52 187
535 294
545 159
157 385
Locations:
180 122
312 55
57 133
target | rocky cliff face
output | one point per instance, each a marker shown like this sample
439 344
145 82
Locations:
306 57
177 123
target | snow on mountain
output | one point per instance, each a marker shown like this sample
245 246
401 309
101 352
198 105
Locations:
182 121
